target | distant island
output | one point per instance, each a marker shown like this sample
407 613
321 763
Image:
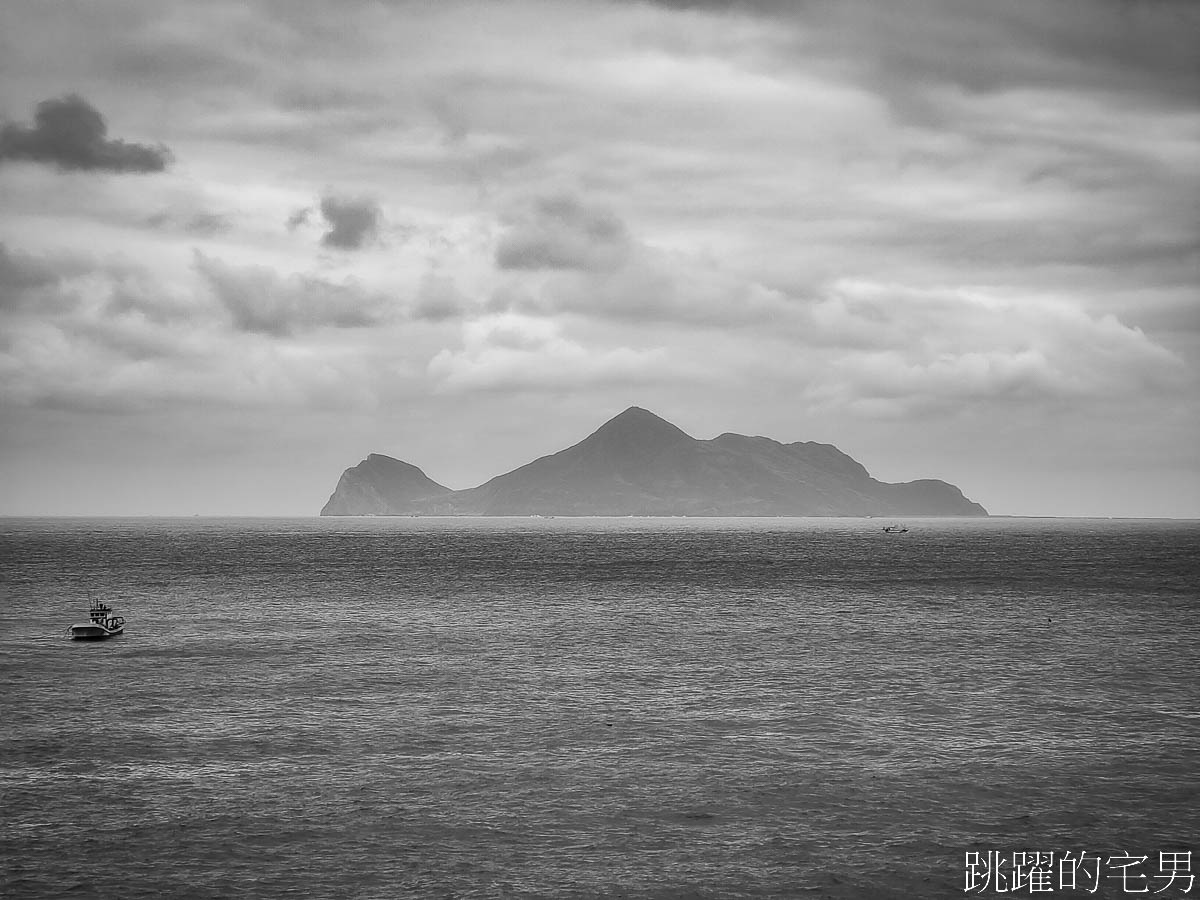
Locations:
638 464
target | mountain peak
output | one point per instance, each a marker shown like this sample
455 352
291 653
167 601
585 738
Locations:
637 428
641 419
379 484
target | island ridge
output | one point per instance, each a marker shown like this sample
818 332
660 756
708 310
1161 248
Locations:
638 464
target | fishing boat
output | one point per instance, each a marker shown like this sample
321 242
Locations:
895 529
101 624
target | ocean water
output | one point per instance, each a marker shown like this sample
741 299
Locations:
576 708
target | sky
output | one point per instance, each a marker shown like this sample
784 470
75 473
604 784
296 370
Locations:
244 244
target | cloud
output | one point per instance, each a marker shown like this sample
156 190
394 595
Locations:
510 351
438 299
70 133
864 345
352 221
560 231
261 301
202 224
48 287
129 366
906 47
298 218
21 273
76 332
565 255
906 349
81 334
76 293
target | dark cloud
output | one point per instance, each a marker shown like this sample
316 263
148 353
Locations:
298 218
1144 51
70 133
902 48
563 232
263 302
20 273
352 221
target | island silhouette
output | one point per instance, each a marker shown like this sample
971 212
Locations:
638 464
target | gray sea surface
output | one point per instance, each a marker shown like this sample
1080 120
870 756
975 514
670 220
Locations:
577 708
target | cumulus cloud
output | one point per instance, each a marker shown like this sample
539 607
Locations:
906 349
511 351
352 221
561 231
82 334
78 333
127 365
74 292
566 255
71 133
260 300
55 287
869 346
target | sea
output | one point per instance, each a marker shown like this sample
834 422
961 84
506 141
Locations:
600 708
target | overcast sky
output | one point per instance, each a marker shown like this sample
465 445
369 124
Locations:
244 244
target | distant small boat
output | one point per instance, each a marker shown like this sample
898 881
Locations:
101 624
895 529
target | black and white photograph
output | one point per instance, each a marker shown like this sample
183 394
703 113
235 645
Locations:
599 449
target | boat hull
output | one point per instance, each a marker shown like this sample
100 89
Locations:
90 631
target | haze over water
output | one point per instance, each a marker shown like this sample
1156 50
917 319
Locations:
573 708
